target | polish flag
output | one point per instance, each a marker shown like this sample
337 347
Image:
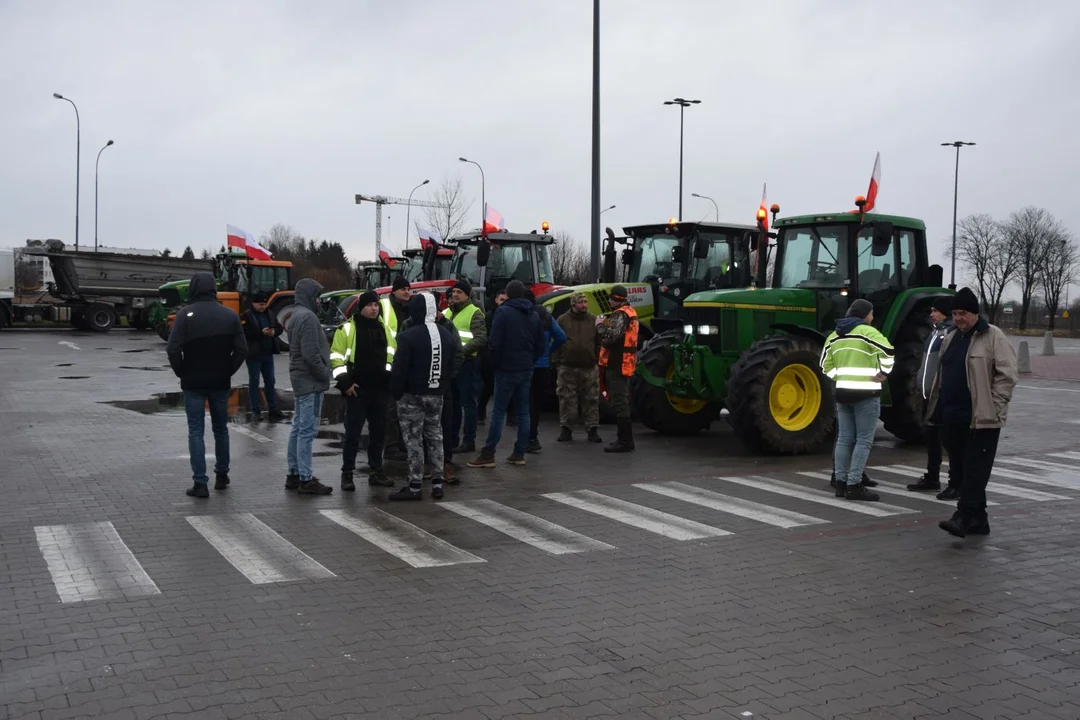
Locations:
763 210
243 240
493 221
875 182
427 237
387 252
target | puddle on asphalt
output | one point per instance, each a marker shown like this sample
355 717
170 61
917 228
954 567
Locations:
131 367
74 377
333 410
136 350
64 364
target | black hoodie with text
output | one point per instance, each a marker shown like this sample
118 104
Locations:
426 352
207 345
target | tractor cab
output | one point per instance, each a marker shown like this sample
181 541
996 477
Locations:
383 273
679 259
424 265
490 261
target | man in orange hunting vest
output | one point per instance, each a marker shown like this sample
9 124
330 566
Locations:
618 359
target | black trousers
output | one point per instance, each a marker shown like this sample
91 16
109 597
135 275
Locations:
487 391
538 391
369 407
971 458
934 457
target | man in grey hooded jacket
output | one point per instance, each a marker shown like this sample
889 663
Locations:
309 371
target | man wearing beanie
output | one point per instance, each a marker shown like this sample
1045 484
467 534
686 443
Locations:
858 359
941 320
360 360
261 328
472 328
515 344
395 311
618 333
969 402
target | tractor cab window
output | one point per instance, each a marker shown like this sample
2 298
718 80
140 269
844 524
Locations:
465 267
652 256
714 271
282 279
263 279
513 262
543 261
813 257
890 270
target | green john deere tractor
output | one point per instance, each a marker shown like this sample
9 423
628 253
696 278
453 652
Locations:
662 266
757 351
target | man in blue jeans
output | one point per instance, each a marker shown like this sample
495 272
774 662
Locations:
858 359
261 327
206 347
515 344
309 371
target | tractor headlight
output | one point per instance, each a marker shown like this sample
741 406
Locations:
708 330
688 329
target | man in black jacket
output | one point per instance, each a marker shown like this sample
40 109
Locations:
419 381
206 347
360 360
261 328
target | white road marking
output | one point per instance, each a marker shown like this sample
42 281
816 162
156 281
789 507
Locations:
249 432
70 344
527 528
256 550
91 562
887 488
402 539
1068 475
1051 389
798 491
732 505
638 516
1067 455
992 487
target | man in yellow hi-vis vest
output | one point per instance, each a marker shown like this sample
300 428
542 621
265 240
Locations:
361 357
472 327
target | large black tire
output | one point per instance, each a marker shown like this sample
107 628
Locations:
163 330
666 414
5 317
100 317
785 370
904 417
283 308
139 319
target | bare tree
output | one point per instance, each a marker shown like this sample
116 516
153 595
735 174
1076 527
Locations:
569 261
451 217
282 238
206 254
986 251
1031 231
1059 271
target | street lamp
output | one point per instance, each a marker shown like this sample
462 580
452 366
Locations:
78 154
408 212
483 193
606 209
683 104
706 197
96 190
956 189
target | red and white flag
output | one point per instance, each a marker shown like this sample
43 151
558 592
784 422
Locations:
493 221
875 183
386 255
243 240
427 237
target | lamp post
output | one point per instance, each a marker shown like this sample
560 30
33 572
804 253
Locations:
683 104
956 190
96 162
594 215
483 193
78 154
706 197
408 212
606 209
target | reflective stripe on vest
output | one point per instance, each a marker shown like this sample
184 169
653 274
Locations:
462 321
389 316
628 351
350 349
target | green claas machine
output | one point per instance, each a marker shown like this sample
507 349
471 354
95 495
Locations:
757 351
662 265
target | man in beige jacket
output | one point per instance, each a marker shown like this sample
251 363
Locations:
969 402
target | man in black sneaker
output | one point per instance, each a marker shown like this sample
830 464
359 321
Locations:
261 327
969 401
360 359
206 347
940 318
419 382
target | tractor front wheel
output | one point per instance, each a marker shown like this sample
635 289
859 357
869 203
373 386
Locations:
778 401
659 410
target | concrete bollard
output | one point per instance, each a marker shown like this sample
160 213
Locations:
1023 358
1048 343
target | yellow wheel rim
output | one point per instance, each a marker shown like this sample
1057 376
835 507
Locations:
684 405
795 397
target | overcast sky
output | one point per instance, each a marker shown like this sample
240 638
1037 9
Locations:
255 112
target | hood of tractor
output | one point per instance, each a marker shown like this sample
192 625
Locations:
748 299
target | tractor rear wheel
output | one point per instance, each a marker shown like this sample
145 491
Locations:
778 401
659 410
904 417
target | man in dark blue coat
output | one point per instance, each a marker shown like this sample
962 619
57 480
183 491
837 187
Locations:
515 343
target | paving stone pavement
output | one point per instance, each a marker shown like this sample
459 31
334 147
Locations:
688 580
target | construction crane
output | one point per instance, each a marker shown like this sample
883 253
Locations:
381 200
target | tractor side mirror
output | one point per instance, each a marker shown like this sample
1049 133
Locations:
701 249
678 254
483 253
746 242
936 276
882 239
627 256
610 234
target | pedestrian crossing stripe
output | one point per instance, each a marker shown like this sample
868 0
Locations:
91 561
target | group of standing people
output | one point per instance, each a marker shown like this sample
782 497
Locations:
967 375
